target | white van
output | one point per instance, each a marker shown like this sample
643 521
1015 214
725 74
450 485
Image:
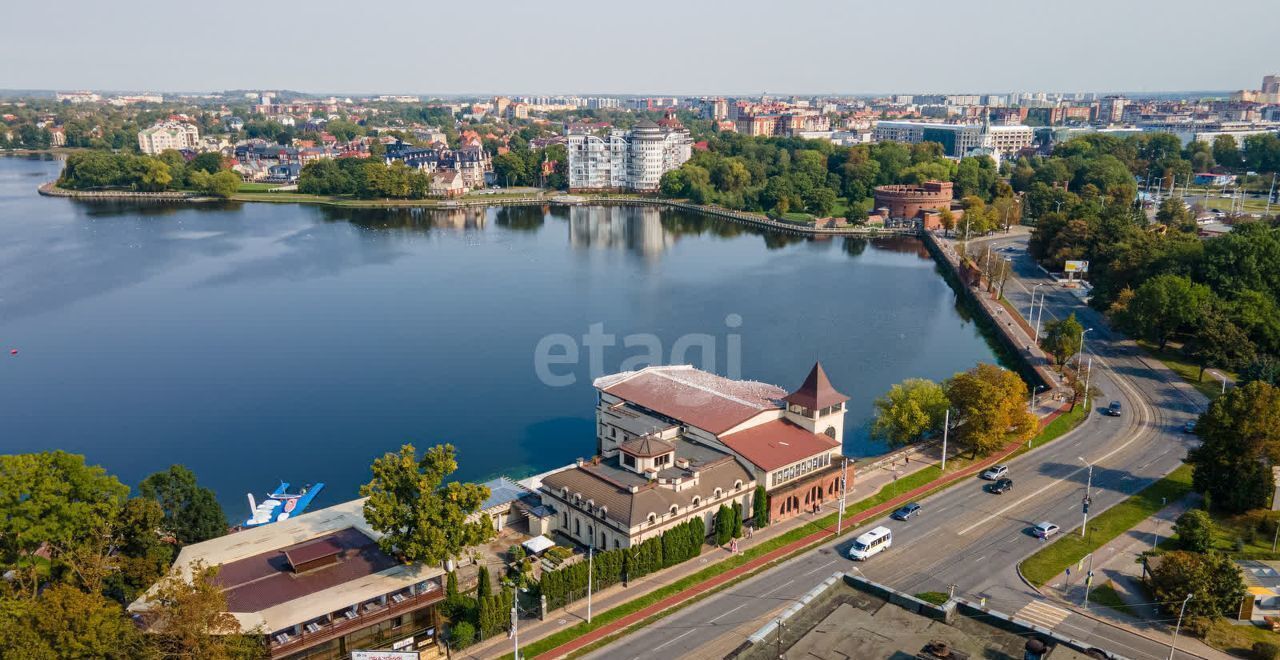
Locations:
871 543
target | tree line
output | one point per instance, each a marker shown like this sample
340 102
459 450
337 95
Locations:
169 170
76 548
364 178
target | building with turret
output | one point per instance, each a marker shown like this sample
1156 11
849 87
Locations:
627 160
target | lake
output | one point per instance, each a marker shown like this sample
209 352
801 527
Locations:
258 342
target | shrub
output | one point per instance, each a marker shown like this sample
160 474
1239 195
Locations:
1266 651
1195 530
462 635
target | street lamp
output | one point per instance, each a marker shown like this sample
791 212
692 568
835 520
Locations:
1032 310
1220 377
1035 390
1085 503
1179 625
1081 353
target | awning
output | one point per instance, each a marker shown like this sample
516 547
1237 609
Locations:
1257 591
540 543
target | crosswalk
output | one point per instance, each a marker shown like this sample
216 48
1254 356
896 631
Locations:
1042 614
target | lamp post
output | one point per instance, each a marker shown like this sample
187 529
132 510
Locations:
1035 390
1220 377
1040 314
1182 611
1085 503
1081 353
1032 310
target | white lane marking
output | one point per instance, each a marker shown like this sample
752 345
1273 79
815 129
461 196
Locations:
673 640
819 568
729 612
788 582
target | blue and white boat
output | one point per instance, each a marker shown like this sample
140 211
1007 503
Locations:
281 504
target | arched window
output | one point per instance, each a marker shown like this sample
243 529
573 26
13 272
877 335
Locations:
737 485
697 500
577 527
831 432
717 494
603 510
673 509
652 519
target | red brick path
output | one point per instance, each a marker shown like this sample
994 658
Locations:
854 520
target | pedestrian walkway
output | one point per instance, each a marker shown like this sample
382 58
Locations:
1042 613
1116 564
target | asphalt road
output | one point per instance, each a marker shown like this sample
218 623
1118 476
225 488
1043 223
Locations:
967 537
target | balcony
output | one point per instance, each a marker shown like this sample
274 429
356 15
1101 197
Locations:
344 623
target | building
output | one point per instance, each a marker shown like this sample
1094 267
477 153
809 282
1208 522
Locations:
627 160
958 140
318 586
447 184
470 161
77 97
168 135
790 443
911 202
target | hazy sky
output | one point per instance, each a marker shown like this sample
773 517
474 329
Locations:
652 47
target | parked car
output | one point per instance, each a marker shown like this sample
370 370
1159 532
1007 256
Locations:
1044 530
1112 410
1000 486
906 512
1189 427
995 472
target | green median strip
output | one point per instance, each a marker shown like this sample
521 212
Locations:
1107 596
1070 548
906 484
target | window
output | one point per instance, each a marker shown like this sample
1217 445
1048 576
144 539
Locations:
697 500
717 494
577 527
652 519
603 510
673 509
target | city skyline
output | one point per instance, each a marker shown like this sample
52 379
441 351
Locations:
665 49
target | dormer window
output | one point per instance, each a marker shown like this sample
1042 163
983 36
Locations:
674 509
603 511
697 500
652 519
717 494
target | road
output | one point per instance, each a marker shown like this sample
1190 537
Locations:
967 537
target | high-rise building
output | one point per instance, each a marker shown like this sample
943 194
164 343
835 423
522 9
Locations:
1271 84
168 135
627 160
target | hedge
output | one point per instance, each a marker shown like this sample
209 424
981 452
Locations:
678 544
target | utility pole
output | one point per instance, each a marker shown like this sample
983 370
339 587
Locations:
515 631
1271 194
946 426
1088 371
1088 581
590 570
844 486
1084 504
1179 625
779 638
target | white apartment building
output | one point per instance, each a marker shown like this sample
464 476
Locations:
627 160
957 140
168 135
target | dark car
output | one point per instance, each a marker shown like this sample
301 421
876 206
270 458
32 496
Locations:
906 512
1112 410
1000 486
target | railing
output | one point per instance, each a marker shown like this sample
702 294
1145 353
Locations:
342 626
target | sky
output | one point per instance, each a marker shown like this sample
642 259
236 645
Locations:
684 47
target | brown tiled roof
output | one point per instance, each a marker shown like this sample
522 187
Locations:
816 392
776 444
608 485
694 397
646 447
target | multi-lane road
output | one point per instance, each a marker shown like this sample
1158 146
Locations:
972 540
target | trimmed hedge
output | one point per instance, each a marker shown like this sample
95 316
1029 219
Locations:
678 544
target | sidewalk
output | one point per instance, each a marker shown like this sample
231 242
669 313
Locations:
1117 563
865 484
853 520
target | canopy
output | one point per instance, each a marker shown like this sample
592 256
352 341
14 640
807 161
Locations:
538 544
1257 591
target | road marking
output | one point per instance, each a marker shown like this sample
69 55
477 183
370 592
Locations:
788 582
729 612
1043 614
673 640
819 568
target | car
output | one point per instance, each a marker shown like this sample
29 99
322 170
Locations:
871 543
906 512
995 472
1000 486
1112 410
1189 427
1044 530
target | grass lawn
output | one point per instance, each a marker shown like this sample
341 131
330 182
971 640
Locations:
1175 360
1237 640
1106 596
800 218
1070 547
905 484
935 597
248 187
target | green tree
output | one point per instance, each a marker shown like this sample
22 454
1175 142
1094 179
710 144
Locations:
1174 213
191 512
422 518
1164 305
64 622
1226 151
462 635
1240 440
760 507
140 555
484 585
1195 531
51 499
992 408
223 184
1264 368
1219 342
209 162
1212 580
1062 338
188 617
910 410
724 525
154 175
737 520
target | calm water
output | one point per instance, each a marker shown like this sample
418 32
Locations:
262 342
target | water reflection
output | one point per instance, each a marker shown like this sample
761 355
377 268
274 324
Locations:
635 228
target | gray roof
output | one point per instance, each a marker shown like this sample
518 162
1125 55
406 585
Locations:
503 491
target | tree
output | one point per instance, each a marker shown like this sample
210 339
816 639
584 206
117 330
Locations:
191 512
223 184
1217 341
992 408
1212 580
1265 368
64 622
141 556
910 410
153 175
51 499
1240 436
1226 151
1062 338
1164 305
1195 530
462 635
484 586
724 525
947 219
1174 213
421 517
737 520
188 618
209 162
760 507
451 584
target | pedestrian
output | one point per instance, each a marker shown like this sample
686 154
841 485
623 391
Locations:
906 460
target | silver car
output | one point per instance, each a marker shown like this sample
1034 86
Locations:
995 472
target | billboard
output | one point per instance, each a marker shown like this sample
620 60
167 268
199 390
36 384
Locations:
384 655
1077 267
